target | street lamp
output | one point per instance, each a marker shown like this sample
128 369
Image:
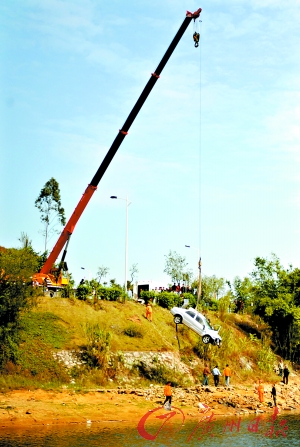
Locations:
199 274
88 273
126 237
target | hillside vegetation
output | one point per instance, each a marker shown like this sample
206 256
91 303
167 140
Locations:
94 332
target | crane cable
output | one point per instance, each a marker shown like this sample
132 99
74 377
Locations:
199 159
197 30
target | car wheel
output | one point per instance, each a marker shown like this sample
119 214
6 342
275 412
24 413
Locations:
51 294
178 319
206 339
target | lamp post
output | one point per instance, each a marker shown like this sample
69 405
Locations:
88 272
126 237
199 274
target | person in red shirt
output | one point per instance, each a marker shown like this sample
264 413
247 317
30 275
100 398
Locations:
227 375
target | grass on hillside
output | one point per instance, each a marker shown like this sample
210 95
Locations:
118 318
40 334
61 323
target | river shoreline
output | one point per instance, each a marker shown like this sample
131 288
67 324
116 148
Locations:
126 406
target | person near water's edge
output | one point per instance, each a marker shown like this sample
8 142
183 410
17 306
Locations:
216 375
260 390
273 392
206 372
168 393
286 373
227 374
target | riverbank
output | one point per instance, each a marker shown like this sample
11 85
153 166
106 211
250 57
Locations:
126 406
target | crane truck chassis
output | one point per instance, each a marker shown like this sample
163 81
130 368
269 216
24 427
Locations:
54 278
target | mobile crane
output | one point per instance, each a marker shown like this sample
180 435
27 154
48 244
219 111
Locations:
56 278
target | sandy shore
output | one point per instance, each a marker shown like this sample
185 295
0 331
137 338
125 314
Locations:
127 406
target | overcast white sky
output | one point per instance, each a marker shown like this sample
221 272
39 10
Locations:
212 160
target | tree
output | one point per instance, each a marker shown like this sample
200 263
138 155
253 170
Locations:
187 276
49 205
25 241
102 272
113 283
133 271
16 296
242 291
175 266
275 293
18 264
212 287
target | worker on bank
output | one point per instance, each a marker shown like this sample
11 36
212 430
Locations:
206 372
286 373
260 390
149 312
168 394
216 375
227 375
273 393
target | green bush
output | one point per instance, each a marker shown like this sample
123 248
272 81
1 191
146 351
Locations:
202 350
214 304
96 352
265 356
83 291
15 297
148 295
169 300
67 291
156 373
224 306
110 293
159 373
192 299
266 359
133 331
92 289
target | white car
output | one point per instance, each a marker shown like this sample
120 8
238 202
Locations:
198 323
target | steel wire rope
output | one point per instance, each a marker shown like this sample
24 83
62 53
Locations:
195 28
199 153
200 135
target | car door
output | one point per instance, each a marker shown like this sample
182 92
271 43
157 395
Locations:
189 319
200 325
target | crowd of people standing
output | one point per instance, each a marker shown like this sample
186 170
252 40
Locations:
283 371
216 375
227 373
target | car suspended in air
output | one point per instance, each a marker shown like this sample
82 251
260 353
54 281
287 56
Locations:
198 323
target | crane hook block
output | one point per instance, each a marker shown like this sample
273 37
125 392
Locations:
196 37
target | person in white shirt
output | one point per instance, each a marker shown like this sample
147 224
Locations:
216 374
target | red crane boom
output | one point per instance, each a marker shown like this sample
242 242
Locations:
56 280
